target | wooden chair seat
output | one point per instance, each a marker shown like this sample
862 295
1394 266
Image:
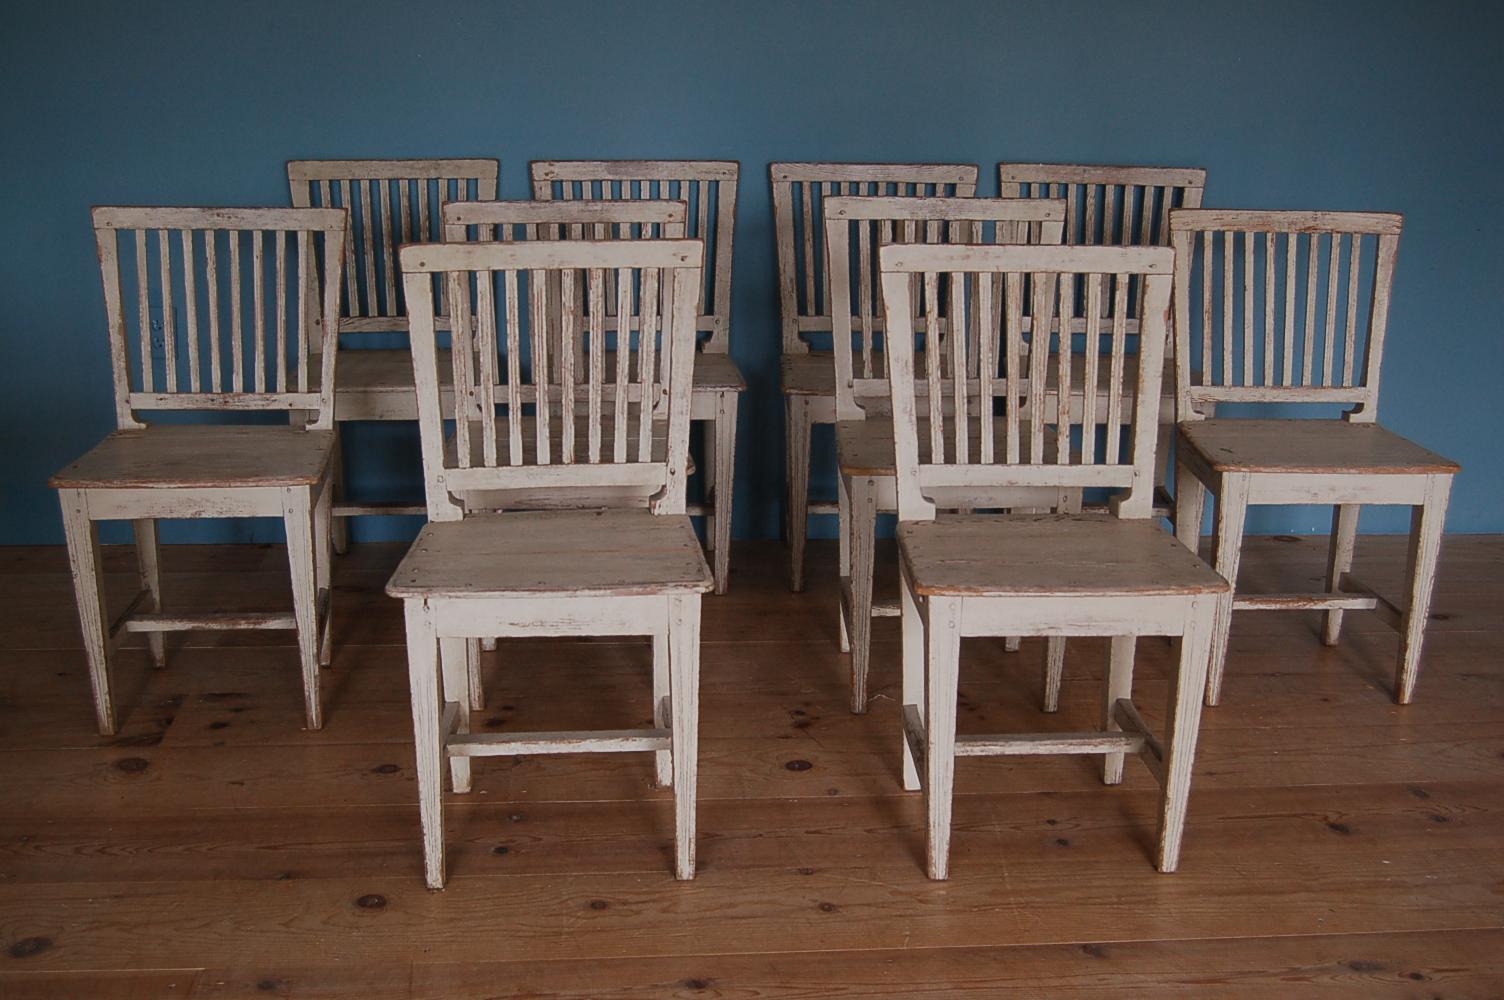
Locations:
1050 555
571 553
197 456
1309 446
812 374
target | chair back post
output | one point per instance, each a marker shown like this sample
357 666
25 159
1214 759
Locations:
1015 295
880 220
1299 314
519 421
250 291
799 192
708 187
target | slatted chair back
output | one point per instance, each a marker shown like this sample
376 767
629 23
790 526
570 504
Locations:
988 433
707 187
518 426
1281 307
221 308
1106 205
799 193
865 224
391 203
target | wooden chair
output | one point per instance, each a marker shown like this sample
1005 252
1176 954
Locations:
225 317
709 188
1115 206
390 203
522 433
864 425
1292 308
509 221
807 373
1116 574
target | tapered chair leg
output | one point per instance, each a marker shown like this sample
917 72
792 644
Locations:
297 517
427 699
323 541
1183 719
913 670
723 471
663 760
88 590
798 432
148 560
1232 509
942 672
1054 671
862 542
1338 561
684 693
454 666
339 529
1119 685
1426 523
843 560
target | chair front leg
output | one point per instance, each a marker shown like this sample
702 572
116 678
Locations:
297 517
843 557
942 673
797 445
148 562
1183 718
1119 685
1232 509
863 528
914 643
1190 506
1426 523
88 591
1339 560
454 665
428 740
684 693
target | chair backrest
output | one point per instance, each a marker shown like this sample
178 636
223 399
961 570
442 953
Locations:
391 203
707 187
518 425
227 310
1281 307
510 221
866 224
990 433
1106 205
799 193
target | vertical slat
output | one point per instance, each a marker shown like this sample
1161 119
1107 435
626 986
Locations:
367 230
1208 374
352 280
1269 308
1334 264
1072 212
1355 257
647 362
514 368
1292 250
864 295
143 312
623 359
1165 199
281 285
958 365
237 338
806 203
597 358
933 356
425 231
460 353
1313 265
540 317
1130 213
1089 224
702 231
404 203
1063 372
307 305
485 368
1115 372
323 189
568 340
1248 308
1092 358
390 281
1013 285
169 335
258 303
1229 361
823 260
190 304
986 366
1041 317
1110 212
211 286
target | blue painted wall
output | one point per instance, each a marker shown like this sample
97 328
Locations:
1361 105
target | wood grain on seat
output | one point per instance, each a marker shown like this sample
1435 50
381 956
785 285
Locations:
1232 445
209 456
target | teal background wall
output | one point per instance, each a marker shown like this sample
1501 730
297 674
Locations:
1364 105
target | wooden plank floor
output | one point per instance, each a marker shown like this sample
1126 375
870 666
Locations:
1338 845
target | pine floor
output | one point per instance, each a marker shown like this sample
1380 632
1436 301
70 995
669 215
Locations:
1337 845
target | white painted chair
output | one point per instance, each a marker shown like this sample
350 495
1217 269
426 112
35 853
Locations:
709 189
1115 206
807 372
390 203
522 436
854 230
225 316
1117 574
1292 308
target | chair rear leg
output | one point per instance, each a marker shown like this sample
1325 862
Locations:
684 694
1119 685
88 591
942 670
149 564
863 526
297 517
1339 560
1232 509
798 433
455 666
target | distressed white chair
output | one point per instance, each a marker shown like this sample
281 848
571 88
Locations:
523 435
1292 308
709 189
855 228
1117 574
1115 206
225 316
510 221
806 370
390 203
